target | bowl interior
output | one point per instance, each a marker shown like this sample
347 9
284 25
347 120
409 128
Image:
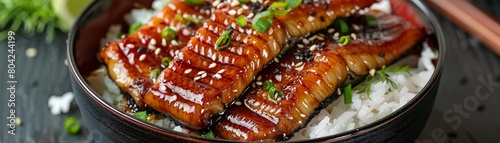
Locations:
93 24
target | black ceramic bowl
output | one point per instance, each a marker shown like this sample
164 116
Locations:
108 124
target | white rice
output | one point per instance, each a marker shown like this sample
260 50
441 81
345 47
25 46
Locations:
336 118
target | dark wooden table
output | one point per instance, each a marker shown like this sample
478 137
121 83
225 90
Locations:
458 115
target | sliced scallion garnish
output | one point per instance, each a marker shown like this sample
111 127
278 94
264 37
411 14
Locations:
154 73
348 94
168 33
262 21
224 40
165 61
244 1
241 21
134 27
193 2
269 86
344 40
141 115
210 134
72 125
341 26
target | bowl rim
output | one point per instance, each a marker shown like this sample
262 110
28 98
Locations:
419 6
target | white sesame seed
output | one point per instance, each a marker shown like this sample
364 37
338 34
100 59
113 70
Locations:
219 6
204 75
177 52
212 65
240 11
372 72
245 7
270 31
235 3
258 83
300 45
152 42
331 30
259 78
157 51
201 72
250 15
188 71
163 42
197 78
151 47
142 57
214 57
174 42
299 64
338 91
355 27
353 36
130 46
237 103
221 71
276 60
321 38
312 38
313 47
217 76
261 1
253 84
310 18
305 41
336 35
232 12
217 2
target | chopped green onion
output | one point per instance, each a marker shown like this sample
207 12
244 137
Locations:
179 17
210 134
168 33
342 26
268 84
141 115
371 21
294 3
193 2
348 94
191 18
344 40
72 125
272 93
241 20
244 1
279 5
134 27
165 61
262 21
154 73
223 41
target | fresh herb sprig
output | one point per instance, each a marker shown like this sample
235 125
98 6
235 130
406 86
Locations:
36 16
380 76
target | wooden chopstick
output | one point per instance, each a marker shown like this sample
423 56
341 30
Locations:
472 20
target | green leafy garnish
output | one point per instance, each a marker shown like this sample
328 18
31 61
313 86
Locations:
154 73
381 75
72 125
141 115
269 86
344 40
241 21
36 16
341 26
165 62
134 27
348 94
262 21
224 40
193 2
168 33
244 1
210 134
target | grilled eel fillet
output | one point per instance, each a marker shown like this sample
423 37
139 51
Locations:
203 81
309 75
131 59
